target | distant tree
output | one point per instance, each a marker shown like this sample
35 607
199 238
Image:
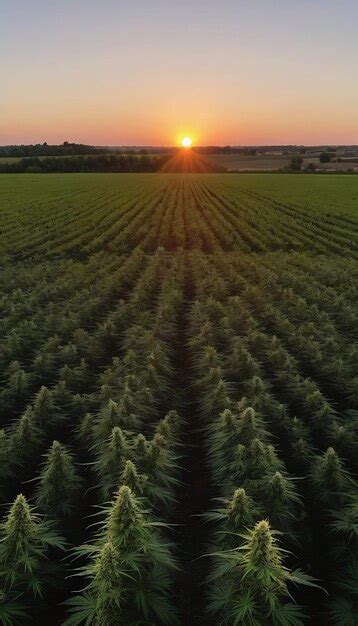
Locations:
311 167
325 157
296 163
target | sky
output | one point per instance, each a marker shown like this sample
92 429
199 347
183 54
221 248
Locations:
148 72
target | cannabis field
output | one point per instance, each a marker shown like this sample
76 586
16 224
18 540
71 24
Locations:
179 370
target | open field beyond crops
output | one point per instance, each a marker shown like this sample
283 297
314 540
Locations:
233 162
272 162
179 394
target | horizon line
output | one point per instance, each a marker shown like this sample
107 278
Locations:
209 145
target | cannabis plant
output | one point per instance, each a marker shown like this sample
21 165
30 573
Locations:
84 431
159 462
343 607
252 585
232 517
128 576
330 480
43 409
110 460
26 542
27 438
281 501
6 462
59 485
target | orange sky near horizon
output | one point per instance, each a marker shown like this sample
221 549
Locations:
269 72
102 125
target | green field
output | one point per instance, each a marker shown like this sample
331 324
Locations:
179 399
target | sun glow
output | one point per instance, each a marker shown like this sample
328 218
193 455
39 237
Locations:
186 142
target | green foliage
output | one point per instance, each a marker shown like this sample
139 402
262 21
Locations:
128 572
330 480
26 437
187 337
111 458
6 469
59 485
343 607
85 429
25 543
43 409
281 500
233 517
253 583
108 418
132 479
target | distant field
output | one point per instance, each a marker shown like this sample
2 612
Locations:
272 162
10 159
234 162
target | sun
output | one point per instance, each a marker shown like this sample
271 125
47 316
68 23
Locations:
186 142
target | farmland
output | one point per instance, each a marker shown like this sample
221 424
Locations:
124 161
179 366
270 162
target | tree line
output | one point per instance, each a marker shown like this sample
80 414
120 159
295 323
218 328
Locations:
44 149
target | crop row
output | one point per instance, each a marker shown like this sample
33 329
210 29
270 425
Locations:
178 440
89 214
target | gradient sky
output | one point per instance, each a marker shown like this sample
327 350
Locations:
149 71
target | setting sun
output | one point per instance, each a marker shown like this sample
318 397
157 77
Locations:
186 142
